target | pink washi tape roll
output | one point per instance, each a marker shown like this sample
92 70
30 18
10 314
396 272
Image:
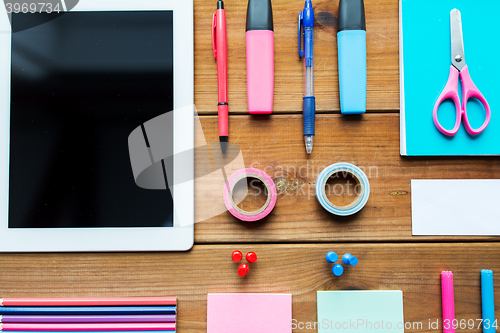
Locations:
264 210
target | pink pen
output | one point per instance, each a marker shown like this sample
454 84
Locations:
448 302
219 44
260 57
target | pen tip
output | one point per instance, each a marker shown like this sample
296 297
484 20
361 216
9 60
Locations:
223 143
309 143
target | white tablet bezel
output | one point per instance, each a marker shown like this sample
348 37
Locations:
177 238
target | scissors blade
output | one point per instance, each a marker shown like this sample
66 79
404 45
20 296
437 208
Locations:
457 40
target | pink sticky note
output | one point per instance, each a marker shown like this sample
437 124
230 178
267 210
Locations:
249 313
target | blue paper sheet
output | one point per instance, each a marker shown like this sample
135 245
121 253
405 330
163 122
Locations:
425 61
357 311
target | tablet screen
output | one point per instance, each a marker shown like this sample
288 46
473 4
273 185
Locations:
80 84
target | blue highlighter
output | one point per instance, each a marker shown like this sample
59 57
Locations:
351 41
488 301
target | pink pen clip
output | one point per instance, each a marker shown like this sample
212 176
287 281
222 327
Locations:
214 26
448 302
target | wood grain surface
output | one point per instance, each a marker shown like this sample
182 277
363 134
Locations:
275 145
382 56
292 241
297 269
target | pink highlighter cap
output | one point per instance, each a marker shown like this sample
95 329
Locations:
260 57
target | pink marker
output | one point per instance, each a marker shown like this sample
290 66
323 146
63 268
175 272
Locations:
260 57
448 302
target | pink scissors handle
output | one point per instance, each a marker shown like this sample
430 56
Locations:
469 90
450 91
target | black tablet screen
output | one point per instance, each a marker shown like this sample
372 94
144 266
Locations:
81 83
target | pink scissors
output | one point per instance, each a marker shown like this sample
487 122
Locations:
469 90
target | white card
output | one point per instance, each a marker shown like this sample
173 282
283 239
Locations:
461 207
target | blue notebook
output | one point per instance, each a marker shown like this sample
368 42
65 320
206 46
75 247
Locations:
425 59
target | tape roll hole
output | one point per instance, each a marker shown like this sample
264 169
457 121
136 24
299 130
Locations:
343 189
250 195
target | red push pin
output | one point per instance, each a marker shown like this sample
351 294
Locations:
243 270
251 257
237 256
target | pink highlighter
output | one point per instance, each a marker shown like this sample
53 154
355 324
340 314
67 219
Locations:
260 57
449 322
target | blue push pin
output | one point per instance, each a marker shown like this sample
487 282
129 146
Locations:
331 257
348 259
337 269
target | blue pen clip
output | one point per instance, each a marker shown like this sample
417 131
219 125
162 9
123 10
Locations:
301 20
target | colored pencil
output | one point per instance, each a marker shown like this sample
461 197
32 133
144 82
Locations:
88 310
89 319
114 301
83 327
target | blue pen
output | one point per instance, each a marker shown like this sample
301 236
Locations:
306 21
489 323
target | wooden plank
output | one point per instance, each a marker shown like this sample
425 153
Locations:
275 145
297 269
382 56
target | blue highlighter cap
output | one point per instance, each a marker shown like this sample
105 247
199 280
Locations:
351 15
351 41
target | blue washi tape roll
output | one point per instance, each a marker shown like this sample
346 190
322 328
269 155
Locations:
362 189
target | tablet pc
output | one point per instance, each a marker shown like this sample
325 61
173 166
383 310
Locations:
74 85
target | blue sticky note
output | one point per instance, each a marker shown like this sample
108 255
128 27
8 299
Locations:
425 65
356 311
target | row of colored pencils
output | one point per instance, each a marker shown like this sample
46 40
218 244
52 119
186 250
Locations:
138 314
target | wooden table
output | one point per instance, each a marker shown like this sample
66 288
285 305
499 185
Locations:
292 241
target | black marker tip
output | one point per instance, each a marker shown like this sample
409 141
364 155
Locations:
223 143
